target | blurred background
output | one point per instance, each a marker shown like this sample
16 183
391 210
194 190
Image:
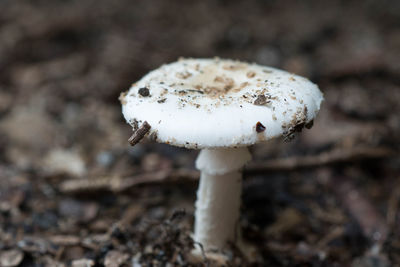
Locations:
73 193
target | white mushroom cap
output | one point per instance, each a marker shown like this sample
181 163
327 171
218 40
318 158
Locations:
210 103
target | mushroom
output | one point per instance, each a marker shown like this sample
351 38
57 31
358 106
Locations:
221 107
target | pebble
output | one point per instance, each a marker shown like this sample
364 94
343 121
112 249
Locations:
45 220
81 211
115 258
11 258
60 161
83 263
105 158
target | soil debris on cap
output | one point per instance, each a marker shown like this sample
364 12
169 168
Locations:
135 124
144 91
309 124
195 91
262 100
222 88
183 75
234 66
122 99
153 136
260 127
228 82
297 124
251 74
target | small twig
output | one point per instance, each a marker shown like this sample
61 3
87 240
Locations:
120 183
393 206
112 183
337 231
127 183
139 133
73 186
124 183
326 158
360 208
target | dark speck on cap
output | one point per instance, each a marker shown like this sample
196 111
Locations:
144 91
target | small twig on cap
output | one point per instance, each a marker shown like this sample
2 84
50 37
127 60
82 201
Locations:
139 133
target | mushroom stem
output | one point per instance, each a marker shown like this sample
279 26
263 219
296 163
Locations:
219 196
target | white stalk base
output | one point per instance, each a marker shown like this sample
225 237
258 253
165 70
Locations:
219 197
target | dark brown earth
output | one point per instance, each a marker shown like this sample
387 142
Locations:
74 193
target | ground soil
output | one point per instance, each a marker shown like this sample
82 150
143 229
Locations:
74 193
